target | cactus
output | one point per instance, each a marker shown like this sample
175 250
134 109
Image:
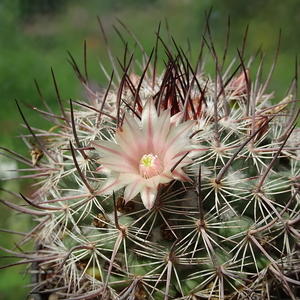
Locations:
177 185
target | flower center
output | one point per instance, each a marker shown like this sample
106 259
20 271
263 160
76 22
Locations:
150 165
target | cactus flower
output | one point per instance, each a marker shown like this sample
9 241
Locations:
143 157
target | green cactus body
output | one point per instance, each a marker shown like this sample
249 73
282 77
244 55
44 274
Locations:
172 186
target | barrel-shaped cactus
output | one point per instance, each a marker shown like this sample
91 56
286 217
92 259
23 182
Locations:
178 185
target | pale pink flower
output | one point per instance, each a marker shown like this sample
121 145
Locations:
147 155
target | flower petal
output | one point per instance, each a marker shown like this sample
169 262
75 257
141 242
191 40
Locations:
179 174
133 189
116 181
148 196
165 177
149 122
178 160
115 158
161 133
178 140
118 164
108 148
130 138
176 119
111 184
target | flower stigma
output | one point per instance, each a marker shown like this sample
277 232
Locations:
150 165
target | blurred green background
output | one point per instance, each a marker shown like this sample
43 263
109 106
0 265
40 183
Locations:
36 35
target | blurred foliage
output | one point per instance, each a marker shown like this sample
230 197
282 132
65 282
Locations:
29 9
36 35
